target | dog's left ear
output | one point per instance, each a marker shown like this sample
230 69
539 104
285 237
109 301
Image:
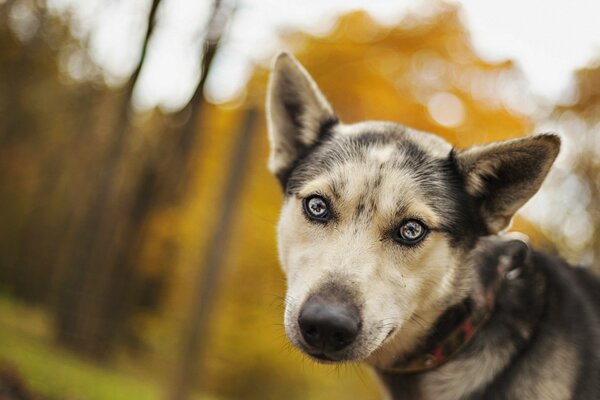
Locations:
297 113
503 176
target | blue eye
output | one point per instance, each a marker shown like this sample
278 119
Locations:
315 207
410 232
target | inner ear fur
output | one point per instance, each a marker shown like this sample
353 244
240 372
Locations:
297 114
502 176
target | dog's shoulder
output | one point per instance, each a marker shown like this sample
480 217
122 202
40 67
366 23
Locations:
543 340
572 285
562 359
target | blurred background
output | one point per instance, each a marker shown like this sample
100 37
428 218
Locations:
137 218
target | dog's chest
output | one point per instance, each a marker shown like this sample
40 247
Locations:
538 378
459 378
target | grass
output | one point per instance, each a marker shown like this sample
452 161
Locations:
53 372
26 343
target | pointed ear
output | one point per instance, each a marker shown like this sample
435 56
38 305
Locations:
503 176
297 114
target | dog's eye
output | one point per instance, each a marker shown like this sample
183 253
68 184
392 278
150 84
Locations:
411 232
315 208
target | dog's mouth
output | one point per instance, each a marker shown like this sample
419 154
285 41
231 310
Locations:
321 357
325 357
390 332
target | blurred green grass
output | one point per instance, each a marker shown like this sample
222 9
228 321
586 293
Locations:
56 373
27 345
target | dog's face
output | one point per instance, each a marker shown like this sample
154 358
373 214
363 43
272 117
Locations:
378 220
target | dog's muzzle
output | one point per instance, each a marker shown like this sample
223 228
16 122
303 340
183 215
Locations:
328 324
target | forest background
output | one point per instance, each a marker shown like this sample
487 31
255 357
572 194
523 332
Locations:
137 236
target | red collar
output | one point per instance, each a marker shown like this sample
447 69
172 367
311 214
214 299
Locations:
457 327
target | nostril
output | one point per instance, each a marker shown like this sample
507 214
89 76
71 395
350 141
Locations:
340 338
311 331
343 335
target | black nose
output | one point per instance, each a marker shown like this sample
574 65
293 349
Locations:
328 325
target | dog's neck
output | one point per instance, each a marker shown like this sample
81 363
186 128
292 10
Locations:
453 330
458 325
512 289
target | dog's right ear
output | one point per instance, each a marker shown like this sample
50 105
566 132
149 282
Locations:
297 114
502 176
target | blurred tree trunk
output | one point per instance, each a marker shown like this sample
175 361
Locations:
31 69
221 14
103 284
195 334
161 178
83 291
38 255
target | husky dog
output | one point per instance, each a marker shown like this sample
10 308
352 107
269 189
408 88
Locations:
389 239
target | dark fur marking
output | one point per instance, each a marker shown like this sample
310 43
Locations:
377 182
335 190
359 210
338 151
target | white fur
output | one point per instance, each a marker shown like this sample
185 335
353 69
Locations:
381 154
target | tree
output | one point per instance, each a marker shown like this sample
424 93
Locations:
96 265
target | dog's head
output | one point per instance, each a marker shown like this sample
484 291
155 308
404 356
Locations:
378 219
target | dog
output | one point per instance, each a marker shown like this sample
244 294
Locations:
391 242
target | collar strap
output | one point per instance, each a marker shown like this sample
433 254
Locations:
437 352
457 327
